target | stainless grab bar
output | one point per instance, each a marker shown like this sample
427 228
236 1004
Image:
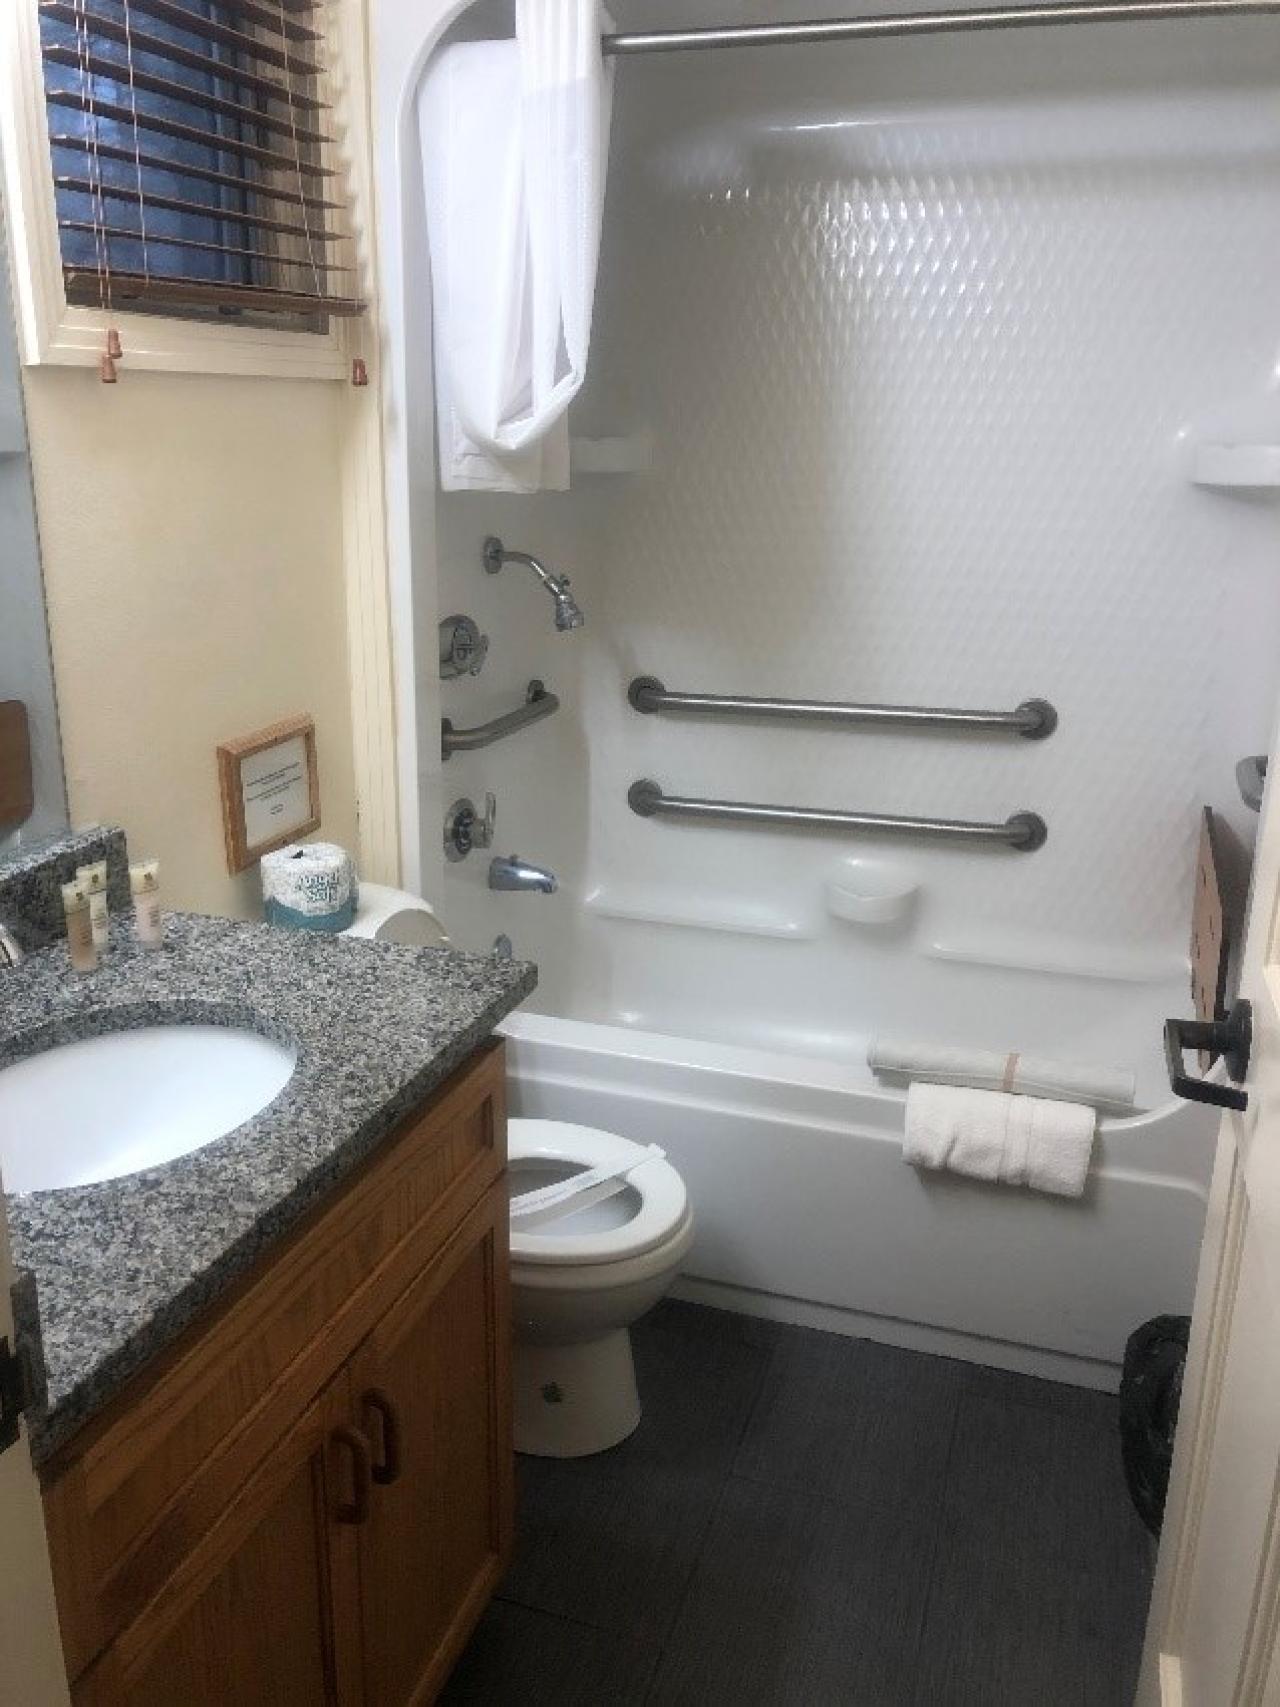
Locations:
1024 831
537 705
1033 719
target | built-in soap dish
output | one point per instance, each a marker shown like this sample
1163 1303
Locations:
872 892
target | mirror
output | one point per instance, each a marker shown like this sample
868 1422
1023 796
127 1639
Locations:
33 799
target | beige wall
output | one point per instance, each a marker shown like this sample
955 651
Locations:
191 536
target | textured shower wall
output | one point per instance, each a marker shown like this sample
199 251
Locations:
922 377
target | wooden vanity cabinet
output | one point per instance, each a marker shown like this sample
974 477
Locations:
261 1611
429 1547
339 1542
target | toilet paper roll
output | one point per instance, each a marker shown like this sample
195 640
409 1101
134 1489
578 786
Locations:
393 915
311 886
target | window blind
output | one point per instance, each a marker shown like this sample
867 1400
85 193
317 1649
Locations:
193 160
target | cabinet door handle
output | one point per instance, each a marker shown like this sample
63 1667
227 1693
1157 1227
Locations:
389 1469
355 1510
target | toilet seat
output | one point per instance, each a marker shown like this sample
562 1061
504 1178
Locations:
664 1203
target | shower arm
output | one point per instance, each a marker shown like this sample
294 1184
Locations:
496 554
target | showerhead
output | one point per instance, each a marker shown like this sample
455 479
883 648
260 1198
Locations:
568 612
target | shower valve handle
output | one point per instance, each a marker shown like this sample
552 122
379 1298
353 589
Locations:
465 828
482 828
1231 1038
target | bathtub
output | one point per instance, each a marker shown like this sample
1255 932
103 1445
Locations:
806 1213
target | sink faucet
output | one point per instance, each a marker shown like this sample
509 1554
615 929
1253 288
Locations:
11 950
516 873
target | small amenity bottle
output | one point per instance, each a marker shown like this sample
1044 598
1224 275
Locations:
93 880
148 921
75 904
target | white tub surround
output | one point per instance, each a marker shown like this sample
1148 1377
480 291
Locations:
902 355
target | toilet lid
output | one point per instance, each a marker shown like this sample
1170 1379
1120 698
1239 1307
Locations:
663 1205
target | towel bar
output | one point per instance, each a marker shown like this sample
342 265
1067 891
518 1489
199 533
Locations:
1024 831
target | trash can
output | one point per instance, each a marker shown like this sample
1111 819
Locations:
1155 1356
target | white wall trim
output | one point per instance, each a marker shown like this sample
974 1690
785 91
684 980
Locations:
369 634
404 39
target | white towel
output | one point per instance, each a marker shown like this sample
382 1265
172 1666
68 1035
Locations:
1011 1140
1105 1088
515 138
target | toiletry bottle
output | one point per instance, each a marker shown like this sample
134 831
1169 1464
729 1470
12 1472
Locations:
93 880
144 880
75 904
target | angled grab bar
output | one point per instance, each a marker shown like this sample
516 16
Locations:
1024 831
1033 719
537 705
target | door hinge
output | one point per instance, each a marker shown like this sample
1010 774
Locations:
15 1390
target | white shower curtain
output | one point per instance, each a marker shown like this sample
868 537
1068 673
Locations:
515 138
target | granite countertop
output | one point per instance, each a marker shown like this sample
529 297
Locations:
120 1268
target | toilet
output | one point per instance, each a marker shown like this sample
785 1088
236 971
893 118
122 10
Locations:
580 1279
579 1282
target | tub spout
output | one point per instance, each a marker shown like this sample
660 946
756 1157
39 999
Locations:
515 873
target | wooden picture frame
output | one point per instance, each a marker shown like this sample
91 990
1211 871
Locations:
17 788
270 787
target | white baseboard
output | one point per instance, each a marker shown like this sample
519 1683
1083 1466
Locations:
913 1336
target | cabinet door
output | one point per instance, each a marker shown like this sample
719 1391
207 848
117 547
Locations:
431 1388
266 1608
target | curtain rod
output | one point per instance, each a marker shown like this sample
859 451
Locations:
933 23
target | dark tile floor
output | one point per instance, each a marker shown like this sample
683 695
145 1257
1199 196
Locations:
803 1518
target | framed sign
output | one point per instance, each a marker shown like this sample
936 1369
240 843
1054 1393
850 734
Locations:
270 789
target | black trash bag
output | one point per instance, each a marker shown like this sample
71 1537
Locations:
1150 1394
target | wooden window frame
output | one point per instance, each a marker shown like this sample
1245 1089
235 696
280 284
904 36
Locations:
53 331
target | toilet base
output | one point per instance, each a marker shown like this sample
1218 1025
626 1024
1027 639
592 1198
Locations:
572 1400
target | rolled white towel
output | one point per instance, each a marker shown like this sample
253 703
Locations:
1104 1088
1010 1140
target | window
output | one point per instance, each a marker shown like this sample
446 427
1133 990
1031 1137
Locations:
193 164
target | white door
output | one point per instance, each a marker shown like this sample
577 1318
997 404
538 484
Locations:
1215 1613
31 1668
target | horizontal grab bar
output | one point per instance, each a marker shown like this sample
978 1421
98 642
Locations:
1024 831
1033 719
537 705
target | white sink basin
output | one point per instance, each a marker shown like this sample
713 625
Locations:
110 1105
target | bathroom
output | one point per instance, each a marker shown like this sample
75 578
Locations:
847 721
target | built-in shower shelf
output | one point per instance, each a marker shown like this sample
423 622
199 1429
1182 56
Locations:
1062 956
631 453
1241 467
697 912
